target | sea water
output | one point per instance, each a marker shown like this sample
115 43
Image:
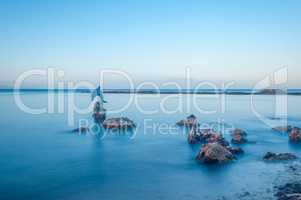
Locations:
40 158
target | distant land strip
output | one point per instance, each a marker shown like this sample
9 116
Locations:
169 91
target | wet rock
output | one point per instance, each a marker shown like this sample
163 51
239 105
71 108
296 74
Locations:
238 136
190 121
214 153
118 123
81 130
209 136
295 135
283 128
269 156
99 112
206 136
216 138
289 191
235 150
193 137
99 117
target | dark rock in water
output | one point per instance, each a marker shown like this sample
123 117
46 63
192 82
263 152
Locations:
99 117
192 137
97 107
279 157
289 191
295 135
235 150
217 138
118 123
81 130
206 136
238 136
282 128
190 121
99 113
214 153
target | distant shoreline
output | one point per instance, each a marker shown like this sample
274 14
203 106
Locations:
168 91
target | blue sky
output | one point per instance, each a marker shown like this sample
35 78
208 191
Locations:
155 40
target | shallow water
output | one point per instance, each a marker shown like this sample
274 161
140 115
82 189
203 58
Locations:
40 158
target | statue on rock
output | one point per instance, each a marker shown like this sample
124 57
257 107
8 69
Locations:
99 112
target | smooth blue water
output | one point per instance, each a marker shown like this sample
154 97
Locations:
41 159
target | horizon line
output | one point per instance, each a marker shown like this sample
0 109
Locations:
237 91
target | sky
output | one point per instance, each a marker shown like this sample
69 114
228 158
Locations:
219 41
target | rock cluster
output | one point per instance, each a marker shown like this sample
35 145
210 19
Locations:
215 148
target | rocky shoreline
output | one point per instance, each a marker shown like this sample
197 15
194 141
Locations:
216 149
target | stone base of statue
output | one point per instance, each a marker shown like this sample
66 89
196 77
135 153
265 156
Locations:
119 123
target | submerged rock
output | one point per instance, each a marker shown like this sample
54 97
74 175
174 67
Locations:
238 136
279 157
118 123
190 121
283 128
295 135
235 150
193 137
214 153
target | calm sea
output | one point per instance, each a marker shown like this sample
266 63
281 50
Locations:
41 159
